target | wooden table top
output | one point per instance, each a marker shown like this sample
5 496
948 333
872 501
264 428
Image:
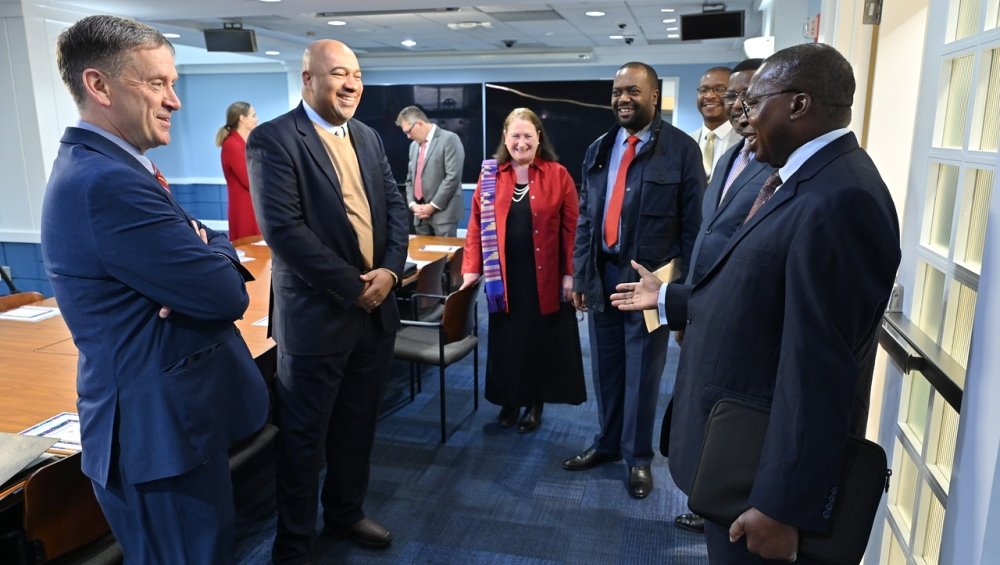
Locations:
38 360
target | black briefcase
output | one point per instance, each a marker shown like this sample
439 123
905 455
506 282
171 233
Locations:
734 438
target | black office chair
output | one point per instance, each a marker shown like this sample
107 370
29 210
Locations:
443 343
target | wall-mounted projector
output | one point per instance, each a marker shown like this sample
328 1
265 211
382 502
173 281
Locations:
232 38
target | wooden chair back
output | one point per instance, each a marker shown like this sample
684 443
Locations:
429 282
455 270
11 301
61 513
459 319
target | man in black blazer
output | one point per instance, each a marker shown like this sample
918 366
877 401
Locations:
786 316
734 186
650 173
329 209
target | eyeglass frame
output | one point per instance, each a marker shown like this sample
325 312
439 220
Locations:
409 129
708 89
756 99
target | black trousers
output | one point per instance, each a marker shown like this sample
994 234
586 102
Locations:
327 404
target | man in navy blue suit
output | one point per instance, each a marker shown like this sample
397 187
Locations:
786 316
329 208
735 182
165 381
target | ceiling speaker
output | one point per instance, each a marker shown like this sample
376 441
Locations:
232 40
711 25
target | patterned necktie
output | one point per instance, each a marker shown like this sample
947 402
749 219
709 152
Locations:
766 192
614 214
418 188
742 160
159 177
708 152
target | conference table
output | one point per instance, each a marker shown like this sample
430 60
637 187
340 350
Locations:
38 359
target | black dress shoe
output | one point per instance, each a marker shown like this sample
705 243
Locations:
691 522
508 416
640 481
588 460
531 420
366 532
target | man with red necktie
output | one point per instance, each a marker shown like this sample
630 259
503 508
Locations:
640 199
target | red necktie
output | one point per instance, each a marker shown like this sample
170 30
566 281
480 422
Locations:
418 189
766 192
614 214
161 179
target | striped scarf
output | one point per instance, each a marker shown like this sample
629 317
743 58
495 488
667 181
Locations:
491 250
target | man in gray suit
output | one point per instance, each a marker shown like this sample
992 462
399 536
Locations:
434 175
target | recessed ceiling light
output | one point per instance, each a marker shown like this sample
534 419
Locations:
667 10
670 21
270 0
594 13
171 35
616 37
271 52
673 36
336 23
407 43
674 28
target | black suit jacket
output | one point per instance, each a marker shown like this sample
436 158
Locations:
720 220
316 258
784 319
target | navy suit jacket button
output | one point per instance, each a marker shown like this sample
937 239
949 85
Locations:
689 320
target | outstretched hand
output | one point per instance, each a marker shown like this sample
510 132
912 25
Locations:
640 295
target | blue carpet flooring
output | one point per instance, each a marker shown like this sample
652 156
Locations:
493 496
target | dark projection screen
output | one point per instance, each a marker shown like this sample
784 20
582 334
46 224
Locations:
454 107
574 114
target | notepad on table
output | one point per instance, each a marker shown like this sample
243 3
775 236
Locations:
441 248
64 427
30 313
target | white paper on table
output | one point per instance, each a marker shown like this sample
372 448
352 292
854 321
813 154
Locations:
245 259
65 426
441 248
261 322
30 313
261 243
418 262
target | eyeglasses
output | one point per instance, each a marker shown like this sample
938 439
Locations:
732 96
409 129
720 90
750 104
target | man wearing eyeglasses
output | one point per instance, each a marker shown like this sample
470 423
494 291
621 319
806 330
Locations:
434 174
716 134
786 317
736 180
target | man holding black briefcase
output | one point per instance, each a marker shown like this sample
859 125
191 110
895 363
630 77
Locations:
785 318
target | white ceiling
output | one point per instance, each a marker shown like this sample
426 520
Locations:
374 29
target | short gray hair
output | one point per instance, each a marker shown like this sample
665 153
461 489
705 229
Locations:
411 114
104 43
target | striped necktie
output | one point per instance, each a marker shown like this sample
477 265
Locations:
159 177
766 192
742 160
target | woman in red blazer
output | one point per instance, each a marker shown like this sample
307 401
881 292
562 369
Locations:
534 347
232 137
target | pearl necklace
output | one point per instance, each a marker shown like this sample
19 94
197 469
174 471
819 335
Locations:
520 192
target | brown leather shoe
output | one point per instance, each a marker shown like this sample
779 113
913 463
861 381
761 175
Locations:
588 460
366 532
640 481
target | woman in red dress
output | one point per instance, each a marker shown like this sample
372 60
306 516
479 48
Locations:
232 137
